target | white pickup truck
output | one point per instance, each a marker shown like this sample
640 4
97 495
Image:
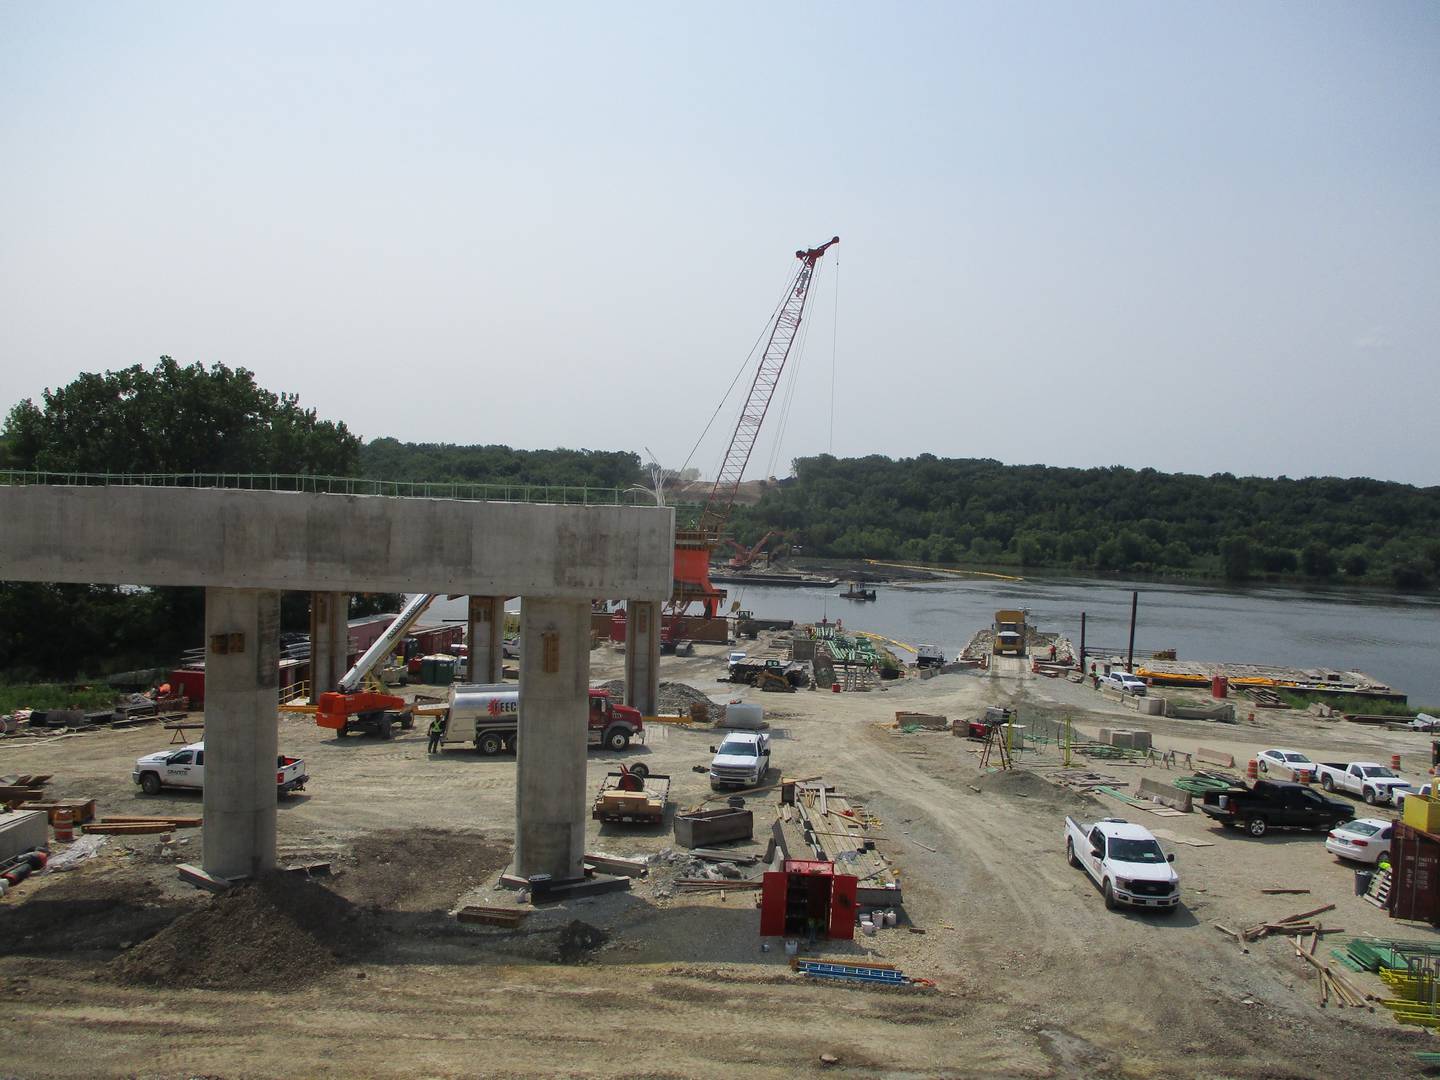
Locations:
1373 782
1126 862
742 760
185 768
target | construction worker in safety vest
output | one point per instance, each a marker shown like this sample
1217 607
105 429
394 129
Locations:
437 728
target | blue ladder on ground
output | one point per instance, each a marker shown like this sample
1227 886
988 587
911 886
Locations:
848 971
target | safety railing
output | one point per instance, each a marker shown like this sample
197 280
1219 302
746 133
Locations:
351 485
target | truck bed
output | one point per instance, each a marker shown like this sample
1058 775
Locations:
646 806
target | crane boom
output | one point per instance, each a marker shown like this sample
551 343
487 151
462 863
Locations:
385 644
762 389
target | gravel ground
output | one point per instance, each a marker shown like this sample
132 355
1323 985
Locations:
1033 977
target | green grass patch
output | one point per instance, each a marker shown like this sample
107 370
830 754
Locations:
54 696
1350 703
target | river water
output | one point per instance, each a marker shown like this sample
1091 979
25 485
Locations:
1394 638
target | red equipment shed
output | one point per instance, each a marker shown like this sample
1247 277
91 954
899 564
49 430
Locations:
807 898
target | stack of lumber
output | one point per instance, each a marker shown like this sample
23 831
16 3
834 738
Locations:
510 918
1302 923
836 829
1332 983
81 810
24 787
138 824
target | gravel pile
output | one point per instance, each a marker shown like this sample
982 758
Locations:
675 697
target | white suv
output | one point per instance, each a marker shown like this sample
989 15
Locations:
1123 680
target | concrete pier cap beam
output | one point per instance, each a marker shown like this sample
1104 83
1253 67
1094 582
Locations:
216 537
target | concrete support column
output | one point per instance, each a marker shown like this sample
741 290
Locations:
242 652
485 638
550 795
642 655
329 641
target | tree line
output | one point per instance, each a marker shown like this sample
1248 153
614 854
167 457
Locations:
1105 520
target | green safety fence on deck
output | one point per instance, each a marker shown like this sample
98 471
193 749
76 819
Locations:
349 485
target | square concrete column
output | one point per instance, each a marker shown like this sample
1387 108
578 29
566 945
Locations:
485 638
550 796
242 653
642 655
329 641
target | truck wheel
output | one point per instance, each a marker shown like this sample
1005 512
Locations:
1257 826
1109 894
342 731
1070 853
490 744
1328 783
150 783
383 728
1369 796
617 739
408 724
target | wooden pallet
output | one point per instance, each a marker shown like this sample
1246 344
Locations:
510 918
1379 891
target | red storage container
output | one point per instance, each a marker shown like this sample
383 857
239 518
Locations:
1219 686
807 897
1414 874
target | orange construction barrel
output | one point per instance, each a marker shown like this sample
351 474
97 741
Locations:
1252 770
1395 762
834 687
63 819
1219 686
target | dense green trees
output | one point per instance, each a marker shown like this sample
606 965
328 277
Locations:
170 419
390 459
1107 520
175 419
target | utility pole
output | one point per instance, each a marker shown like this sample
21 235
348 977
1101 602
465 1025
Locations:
1082 644
1130 653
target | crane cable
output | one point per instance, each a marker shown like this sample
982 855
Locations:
834 337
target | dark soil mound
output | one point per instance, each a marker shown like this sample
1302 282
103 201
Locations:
83 912
278 933
1024 785
577 940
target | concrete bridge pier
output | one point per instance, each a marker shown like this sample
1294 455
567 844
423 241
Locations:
550 790
329 641
485 637
242 648
642 655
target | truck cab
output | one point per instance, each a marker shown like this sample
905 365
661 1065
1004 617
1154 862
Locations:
929 656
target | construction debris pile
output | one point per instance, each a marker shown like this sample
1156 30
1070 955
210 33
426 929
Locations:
675 698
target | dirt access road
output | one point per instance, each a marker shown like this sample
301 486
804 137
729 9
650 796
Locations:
115 969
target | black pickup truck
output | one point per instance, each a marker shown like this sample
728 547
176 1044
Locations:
1274 803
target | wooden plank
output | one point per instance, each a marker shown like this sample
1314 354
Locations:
152 819
133 829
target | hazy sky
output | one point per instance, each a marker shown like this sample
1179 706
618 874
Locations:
1201 237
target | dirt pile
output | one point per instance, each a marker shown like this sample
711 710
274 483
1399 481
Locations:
278 933
1024 785
84 912
577 940
419 869
674 697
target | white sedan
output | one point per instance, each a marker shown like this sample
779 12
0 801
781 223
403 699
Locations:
1363 840
1289 762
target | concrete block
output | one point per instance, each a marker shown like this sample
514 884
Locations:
1167 794
1150 706
23 830
1140 740
1121 739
